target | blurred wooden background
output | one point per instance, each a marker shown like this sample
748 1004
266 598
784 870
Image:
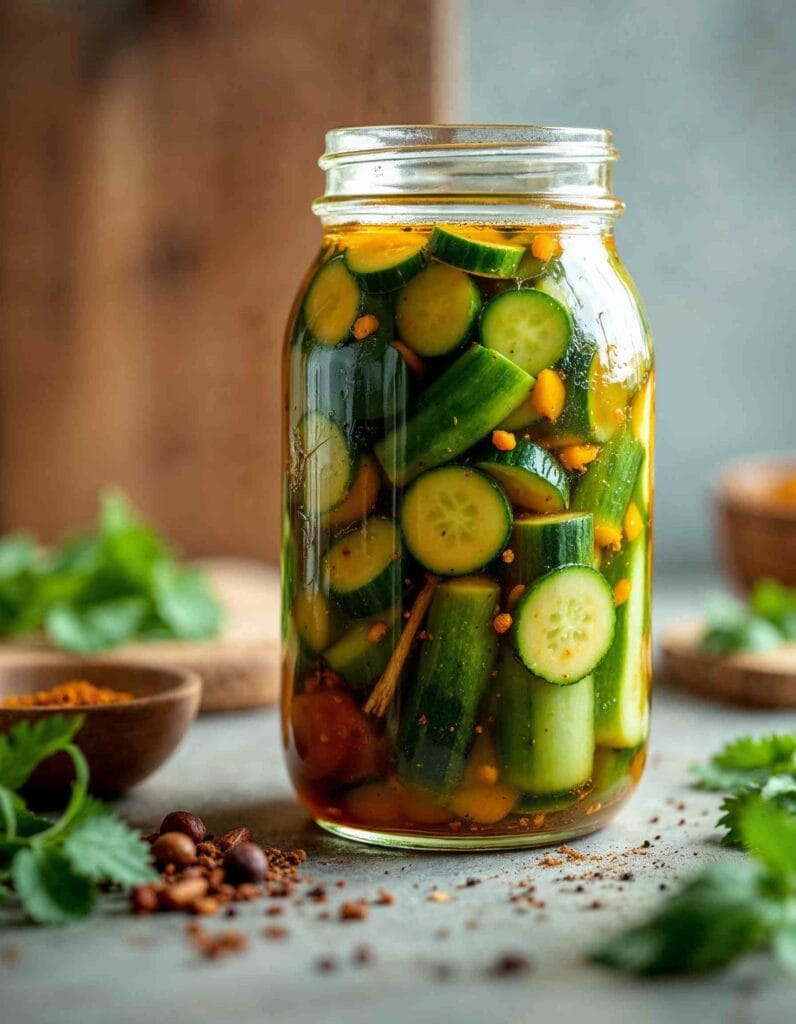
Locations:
158 161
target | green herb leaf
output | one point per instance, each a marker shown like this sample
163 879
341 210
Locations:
770 835
715 917
105 849
779 789
748 762
28 743
783 945
50 889
772 601
5 893
185 603
87 630
19 553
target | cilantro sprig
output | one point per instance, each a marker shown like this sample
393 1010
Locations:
733 908
767 620
118 583
54 868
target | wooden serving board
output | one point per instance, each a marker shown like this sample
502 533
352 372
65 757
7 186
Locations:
239 669
765 679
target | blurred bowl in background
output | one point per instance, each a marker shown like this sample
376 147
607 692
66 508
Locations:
123 743
756 511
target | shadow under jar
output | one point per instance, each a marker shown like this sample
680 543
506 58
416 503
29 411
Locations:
468 493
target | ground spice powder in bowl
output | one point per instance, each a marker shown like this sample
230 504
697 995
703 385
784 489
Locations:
77 693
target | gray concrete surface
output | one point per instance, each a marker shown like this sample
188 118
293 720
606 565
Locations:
115 968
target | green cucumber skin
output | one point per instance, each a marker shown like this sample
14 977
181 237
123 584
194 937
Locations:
391 278
606 486
382 592
547 804
473 256
462 405
312 509
530 458
403 304
303 332
358 661
545 733
612 772
437 722
620 680
491 336
541 543
575 425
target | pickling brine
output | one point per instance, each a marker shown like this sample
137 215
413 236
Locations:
467 522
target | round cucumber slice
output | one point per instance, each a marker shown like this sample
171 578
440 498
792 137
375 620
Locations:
492 259
356 657
363 568
383 262
455 520
528 327
326 464
361 496
332 303
564 624
531 477
436 310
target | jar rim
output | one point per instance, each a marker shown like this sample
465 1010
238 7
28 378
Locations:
404 140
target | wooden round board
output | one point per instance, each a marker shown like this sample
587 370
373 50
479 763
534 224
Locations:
239 669
761 680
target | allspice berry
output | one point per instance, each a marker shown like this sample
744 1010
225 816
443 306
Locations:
174 848
185 822
245 862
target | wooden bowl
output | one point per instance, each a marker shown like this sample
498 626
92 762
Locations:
758 533
123 743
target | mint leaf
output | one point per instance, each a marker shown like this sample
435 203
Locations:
714 918
50 890
184 602
770 835
105 849
87 630
27 743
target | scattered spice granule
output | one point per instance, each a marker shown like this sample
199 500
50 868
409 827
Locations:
551 862
384 898
442 933
11 955
681 822
469 882
442 971
571 854
377 632
502 623
325 964
510 963
340 883
596 905
77 693
353 910
364 326
317 894
218 944
439 897
276 932
362 955
275 910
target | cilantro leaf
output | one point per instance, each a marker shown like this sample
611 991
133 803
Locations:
715 917
772 601
87 630
105 849
770 835
50 890
779 789
28 743
748 762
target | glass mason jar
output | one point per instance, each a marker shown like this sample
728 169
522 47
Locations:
467 494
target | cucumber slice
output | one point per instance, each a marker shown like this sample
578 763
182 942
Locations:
542 543
455 520
361 496
523 416
606 486
365 380
548 804
545 733
532 478
564 624
357 658
435 312
488 258
462 405
594 404
318 621
622 679
437 723
332 303
325 461
613 772
527 326
385 261
363 568
642 415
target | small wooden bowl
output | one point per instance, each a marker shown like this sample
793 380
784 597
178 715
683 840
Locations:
758 533
123 743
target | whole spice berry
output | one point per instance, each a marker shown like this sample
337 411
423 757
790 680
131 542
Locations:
174 848
245 862
232 838
183 821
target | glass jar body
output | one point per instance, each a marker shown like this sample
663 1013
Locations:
467 532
